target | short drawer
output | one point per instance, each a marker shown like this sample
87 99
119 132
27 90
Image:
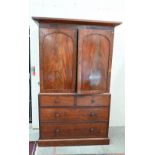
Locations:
51 100
73 114
80 130
93 100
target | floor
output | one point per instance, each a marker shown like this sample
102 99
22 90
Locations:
116 147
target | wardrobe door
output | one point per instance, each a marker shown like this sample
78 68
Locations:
93 60
57 60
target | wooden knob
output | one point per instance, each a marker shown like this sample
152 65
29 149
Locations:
57 131
57 114
56 101
91 130
92 101
92 114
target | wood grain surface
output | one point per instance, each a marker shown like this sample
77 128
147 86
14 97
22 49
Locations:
77 130
75 69
93 60
57 60
74 114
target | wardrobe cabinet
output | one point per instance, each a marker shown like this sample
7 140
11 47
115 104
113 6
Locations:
75 66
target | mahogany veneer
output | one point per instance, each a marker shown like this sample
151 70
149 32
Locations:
74 114
73 130
75 68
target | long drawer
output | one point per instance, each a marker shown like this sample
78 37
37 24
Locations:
74 114
77 130
93 100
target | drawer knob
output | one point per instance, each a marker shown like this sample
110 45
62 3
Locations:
92 101
57 131
57 114
92 114
56 101
92 130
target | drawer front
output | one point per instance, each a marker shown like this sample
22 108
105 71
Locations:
81 130
93 100
74 114
48 100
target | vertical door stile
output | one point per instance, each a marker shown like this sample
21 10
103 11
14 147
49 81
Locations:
76 68
79 64
76 79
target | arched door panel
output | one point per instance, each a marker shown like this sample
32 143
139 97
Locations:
94 51
58 59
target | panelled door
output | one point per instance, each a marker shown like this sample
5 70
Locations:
58 60
58 50
94 52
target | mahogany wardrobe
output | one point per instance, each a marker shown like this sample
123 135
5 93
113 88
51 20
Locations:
75 67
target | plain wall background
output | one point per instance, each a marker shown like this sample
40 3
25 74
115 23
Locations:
83 9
